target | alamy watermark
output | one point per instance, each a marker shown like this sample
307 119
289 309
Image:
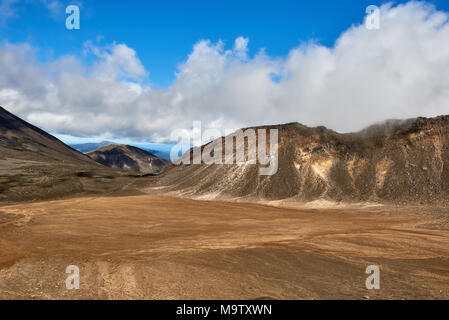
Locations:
73 20
250 146
373 281
372 19
73 280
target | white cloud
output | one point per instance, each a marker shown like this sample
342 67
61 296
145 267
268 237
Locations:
399 71
241 47
116 62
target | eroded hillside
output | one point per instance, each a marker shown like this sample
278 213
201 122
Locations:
397 161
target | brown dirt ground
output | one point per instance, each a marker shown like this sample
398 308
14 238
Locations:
157 247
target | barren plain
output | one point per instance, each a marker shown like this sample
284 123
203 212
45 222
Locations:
159 247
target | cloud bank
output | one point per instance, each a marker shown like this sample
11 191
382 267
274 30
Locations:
399 71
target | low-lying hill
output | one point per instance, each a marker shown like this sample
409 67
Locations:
404 162
128 158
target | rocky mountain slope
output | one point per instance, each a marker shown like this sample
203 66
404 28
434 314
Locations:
128 158
34 165
23 140
404 162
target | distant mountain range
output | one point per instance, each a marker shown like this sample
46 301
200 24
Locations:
160 150
90 146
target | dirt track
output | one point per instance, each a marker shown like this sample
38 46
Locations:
155 247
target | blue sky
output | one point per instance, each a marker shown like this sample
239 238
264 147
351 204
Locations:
140 71
163 32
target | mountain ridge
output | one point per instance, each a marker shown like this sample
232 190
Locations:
397 161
